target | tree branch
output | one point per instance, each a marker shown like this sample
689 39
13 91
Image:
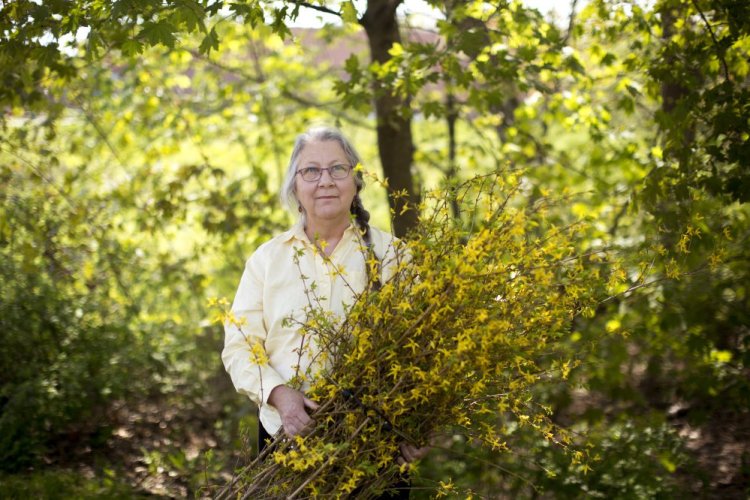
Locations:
571 21
319 8
100 130
285 92
713 37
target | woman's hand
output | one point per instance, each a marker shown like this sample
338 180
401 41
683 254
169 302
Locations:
410 453
291 404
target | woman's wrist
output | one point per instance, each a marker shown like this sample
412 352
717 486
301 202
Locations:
276 393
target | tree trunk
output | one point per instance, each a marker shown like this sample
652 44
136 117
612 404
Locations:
395 142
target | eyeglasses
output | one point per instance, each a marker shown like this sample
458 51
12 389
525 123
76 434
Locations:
312 174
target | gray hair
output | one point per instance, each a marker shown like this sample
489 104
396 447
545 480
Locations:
288 192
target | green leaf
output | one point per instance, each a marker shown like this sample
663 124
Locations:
160 32
574 64
131 48
352 67
279 25
210 42
349 13
608 59
191 14
472 41
252 14
94 43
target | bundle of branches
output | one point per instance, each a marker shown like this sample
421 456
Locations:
457 339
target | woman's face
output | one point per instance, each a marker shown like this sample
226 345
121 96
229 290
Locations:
327 199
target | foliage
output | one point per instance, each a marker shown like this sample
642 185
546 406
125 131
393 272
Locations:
687 67
65 313
102 247
632 458
66 484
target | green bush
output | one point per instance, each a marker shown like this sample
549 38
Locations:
70 344
65 484
633 458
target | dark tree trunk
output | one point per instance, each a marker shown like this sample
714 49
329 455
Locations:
395 142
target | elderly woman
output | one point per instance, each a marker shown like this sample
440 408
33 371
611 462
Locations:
329 246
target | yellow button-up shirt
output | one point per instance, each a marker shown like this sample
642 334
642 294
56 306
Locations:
272 290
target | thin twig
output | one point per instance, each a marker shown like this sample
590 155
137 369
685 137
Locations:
330 107
319 8
713 37
330 459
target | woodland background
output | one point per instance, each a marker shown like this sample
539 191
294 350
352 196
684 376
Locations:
141 148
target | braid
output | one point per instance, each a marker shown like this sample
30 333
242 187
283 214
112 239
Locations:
362 218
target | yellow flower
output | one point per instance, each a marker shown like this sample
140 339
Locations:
258 353
445 488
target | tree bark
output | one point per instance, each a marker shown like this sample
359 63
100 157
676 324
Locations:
395 143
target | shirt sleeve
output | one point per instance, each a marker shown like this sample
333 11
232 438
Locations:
246 329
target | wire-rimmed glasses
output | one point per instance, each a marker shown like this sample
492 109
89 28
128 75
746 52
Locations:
312 174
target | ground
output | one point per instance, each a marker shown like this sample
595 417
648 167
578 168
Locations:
158 449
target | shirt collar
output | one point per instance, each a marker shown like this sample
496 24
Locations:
298 232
